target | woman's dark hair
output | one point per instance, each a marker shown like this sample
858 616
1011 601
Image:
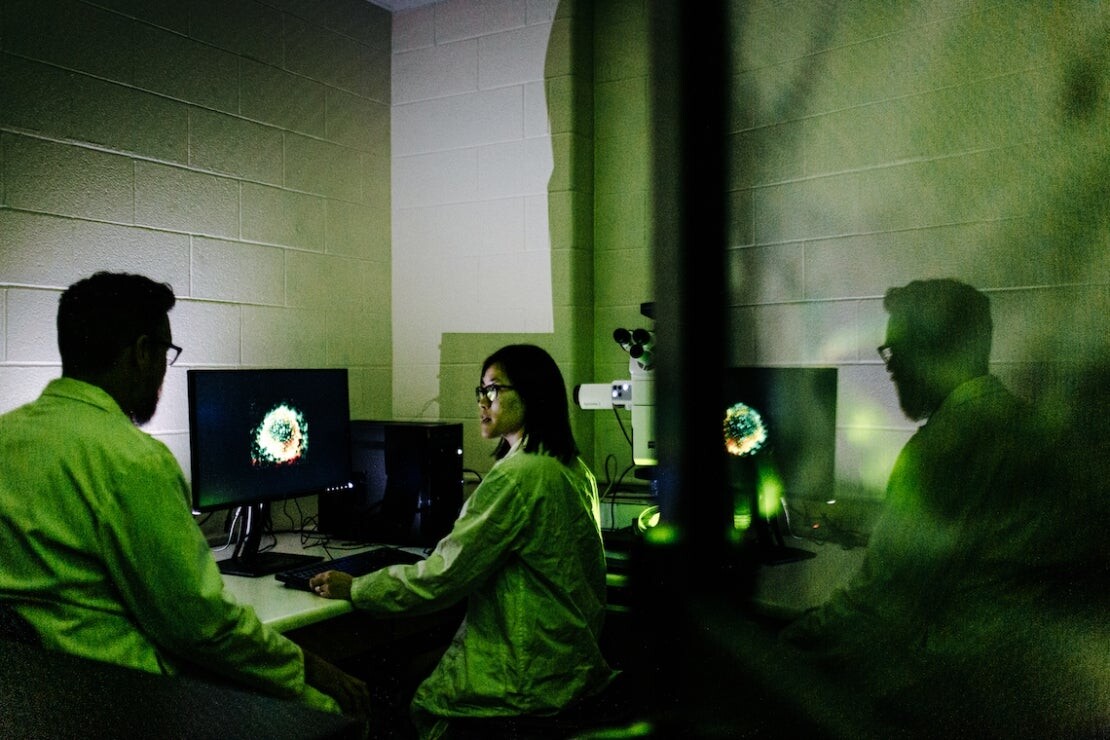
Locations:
100 315
535 376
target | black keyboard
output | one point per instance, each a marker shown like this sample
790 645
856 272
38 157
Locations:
356 564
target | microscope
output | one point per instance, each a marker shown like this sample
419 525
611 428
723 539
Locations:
636 393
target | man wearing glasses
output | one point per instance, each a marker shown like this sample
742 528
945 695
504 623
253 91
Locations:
945 620
101 554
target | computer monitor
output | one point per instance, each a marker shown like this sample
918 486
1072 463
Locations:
796 461
262 435
408 478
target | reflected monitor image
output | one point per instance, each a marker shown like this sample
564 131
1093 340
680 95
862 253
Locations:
779 430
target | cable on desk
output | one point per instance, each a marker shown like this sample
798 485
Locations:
296 524
236 516
824 529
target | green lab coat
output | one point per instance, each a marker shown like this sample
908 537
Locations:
103 557
526 553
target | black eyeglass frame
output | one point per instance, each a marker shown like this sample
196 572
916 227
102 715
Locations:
169 346
886 353
489 392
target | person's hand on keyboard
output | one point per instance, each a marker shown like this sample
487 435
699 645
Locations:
331 584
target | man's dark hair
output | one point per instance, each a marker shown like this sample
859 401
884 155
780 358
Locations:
100 315
944 318
538 381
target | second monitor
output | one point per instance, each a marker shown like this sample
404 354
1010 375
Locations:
407 484
795 452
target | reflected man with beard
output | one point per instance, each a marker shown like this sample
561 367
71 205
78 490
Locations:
970 543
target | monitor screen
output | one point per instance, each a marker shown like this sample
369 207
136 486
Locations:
263 435
780 441
798 410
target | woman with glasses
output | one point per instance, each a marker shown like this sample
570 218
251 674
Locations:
526 554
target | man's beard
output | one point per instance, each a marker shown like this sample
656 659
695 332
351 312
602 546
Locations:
144 410
912 400
916 395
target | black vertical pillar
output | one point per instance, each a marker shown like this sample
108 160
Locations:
690 69
689 74
685 572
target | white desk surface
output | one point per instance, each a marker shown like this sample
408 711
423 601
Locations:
788 587
284 608
794 587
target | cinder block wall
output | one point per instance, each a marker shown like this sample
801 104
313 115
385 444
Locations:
874 143
238 150
623 262
493 199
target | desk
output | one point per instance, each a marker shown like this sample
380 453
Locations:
332 628
288 609
789 588
780 590
284 609
338 633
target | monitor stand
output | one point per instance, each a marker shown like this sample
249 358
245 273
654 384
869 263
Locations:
247 560
773 549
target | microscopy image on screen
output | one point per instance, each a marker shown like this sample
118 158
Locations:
281 438
263 435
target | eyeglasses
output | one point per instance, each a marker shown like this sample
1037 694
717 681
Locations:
172 350
886 352
489 392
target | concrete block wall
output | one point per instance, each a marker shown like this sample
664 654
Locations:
623 264
874 143
492 196
242 152
238 150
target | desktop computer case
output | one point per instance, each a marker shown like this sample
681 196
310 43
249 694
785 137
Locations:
408 484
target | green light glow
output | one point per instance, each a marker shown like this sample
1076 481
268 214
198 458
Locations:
770 489
640 728
662 534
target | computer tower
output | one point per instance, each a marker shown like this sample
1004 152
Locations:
408 484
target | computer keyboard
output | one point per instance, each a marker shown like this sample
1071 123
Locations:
356 564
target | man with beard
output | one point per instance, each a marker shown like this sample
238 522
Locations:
939 622
102 556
